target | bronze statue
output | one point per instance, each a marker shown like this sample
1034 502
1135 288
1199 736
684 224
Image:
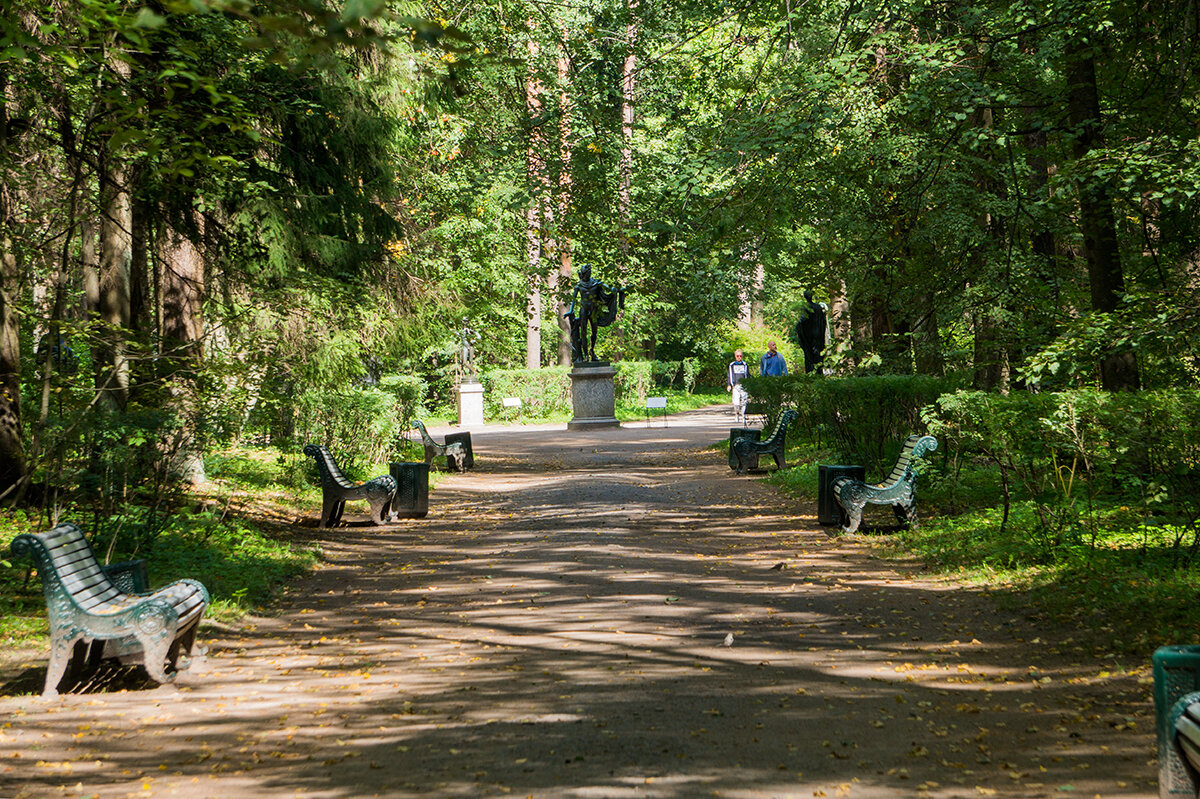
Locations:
598 306
810 332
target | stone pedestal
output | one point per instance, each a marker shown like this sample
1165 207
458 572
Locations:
592 396
470 405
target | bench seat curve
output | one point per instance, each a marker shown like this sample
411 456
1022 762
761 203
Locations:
899 489
85 605
454 452
746 450
336 489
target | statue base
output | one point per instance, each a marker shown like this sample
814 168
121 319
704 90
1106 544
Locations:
470 404
592 397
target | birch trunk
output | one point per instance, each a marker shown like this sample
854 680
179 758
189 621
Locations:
563 276
535 174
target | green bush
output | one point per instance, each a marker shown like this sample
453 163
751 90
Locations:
633 380
1072 454
863 419
361 426
543 392
410 392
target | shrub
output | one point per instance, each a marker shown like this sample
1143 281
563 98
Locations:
1070 451
633 379
360 425
542 392
864 419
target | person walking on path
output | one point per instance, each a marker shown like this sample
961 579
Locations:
772 363
737 370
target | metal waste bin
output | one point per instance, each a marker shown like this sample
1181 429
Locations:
828 510
1176 674
743 432
463 438
412 489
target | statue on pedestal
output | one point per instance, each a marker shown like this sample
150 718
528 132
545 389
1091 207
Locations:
466 354
598 304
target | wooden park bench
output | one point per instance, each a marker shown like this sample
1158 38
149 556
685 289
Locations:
336 489
86 606
454 452
746 450
899 489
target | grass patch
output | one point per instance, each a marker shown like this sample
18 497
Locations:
1093 569
630 410
240 562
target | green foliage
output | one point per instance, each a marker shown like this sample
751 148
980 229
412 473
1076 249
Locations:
543 392
239 565
633 379
1069 453
361 425
864 419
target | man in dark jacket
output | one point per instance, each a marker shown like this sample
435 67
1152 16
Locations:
772 363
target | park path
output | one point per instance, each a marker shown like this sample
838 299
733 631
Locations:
606 614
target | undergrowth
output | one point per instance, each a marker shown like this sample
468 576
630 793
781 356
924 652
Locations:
1100 568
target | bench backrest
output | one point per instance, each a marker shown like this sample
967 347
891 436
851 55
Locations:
914 447
331 474
781 426
71 575
425 437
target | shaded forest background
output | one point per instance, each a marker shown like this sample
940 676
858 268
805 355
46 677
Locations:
230 223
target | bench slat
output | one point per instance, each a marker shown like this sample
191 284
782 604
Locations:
1188 730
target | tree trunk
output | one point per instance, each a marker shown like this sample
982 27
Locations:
535 174
141 319
182 296
112 302
760 283
182 301
840 327
1118 371
563 278
89 257
112 306
625 162
12 447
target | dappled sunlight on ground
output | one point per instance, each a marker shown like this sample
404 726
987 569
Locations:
608 616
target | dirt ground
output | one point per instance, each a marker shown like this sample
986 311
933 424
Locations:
605 614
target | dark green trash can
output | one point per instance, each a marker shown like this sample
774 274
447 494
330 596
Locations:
463 438
828 510
412 489
739 432
1176 674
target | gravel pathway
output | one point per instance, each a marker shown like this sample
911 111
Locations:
606 614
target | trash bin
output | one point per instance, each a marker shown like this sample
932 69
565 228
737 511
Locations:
739 432
412 489
1176 674
828 510
463 438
